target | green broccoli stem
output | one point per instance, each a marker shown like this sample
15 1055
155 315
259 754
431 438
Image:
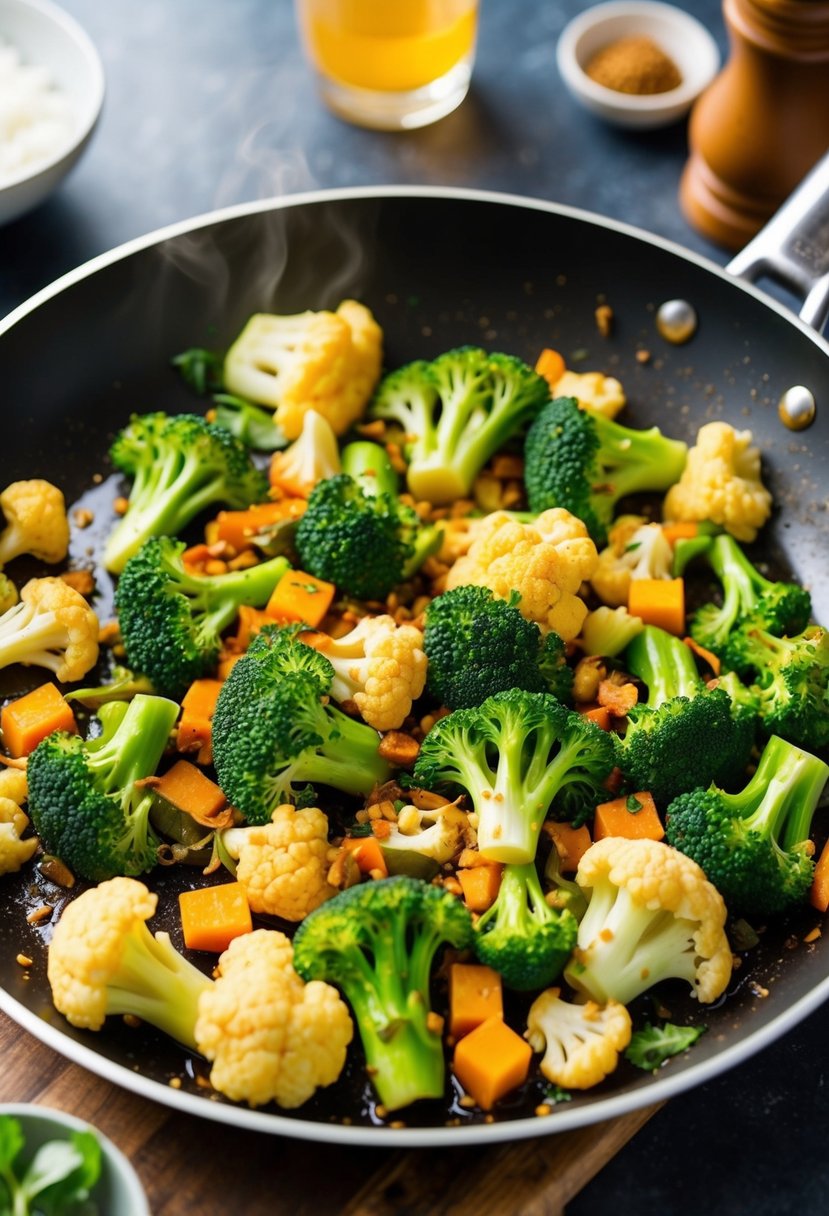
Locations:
742 584
780 800
664 663
390 999
637 460
157 984
348 760
133 741
511 909
566 893
217 597
370 467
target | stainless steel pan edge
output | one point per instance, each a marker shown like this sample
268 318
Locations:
654 1090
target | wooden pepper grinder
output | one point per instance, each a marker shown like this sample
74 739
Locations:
764 121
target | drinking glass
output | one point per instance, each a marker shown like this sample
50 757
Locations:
390 64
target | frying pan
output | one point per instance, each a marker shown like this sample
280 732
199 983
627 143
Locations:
439 268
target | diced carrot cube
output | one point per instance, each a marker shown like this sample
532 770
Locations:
600 714
480 886
659 601
570 843
28 720
819 894
239 527
195 728
490 1061
212 916
300 597
367 853
186 787
550 364
680 530
635 817
475 994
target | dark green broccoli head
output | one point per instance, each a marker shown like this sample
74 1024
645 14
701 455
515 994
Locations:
273 734
520 936
518 755
685 734
377 941
457 412
790 679
586 463
478 645
781 608
181 465
171 621
82 795
754 845
361 542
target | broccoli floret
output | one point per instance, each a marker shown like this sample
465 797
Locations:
781 608
273 734
579 460
456 412
521 936
171 621
377 942
478 645
514 755
754 844
83 797
357 533
790 679
685 734
180 465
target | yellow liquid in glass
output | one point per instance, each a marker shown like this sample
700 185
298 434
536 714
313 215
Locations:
388 45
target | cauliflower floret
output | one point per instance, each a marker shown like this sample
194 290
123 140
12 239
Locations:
594 391
636 550
652 915
582 1042
14 785
283 864
310 458
323 361
545 562
14 852
103 960
270 1037
36 521
381 667
437 833
721 483
52 627
8 593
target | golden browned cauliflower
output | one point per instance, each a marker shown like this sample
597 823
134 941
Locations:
36 521
722 483
14 852
270 1037
594 391
282 865
381 667
581 1043
545 562
636 549
652 915
52 626
323 361
309 459
104 961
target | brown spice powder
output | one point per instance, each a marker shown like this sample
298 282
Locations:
634 65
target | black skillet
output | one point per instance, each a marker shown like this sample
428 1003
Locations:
439 268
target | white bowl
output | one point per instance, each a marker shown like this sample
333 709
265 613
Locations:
678 34
118 1191
47 36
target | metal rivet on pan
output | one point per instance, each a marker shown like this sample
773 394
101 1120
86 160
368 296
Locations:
797 408
676 321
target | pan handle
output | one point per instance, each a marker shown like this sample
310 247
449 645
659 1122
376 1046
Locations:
793 248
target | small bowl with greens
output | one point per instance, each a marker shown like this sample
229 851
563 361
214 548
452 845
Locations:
52 1164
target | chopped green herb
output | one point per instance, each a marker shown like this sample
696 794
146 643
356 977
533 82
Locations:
556 1094
650 1047
634 805
200 368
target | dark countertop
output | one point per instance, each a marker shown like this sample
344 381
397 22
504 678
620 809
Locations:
210 104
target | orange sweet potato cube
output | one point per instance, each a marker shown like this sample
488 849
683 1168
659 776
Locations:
635 817
475 994
480 886
28 720
490 1061
212 916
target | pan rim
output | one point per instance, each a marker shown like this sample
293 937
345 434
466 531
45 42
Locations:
303 198
658 1089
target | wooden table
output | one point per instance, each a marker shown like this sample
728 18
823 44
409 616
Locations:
204 1168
